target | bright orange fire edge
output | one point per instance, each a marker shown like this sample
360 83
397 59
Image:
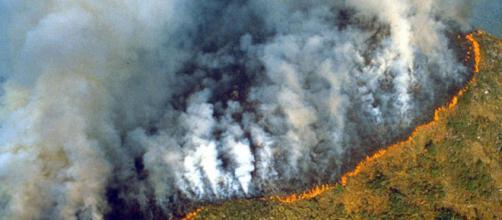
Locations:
317 190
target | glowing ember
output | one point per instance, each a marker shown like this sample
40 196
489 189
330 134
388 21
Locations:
193 214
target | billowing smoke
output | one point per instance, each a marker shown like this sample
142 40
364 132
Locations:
140 108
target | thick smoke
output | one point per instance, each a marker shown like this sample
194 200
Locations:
139 108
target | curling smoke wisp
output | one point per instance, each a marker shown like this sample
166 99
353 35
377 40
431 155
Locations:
141 108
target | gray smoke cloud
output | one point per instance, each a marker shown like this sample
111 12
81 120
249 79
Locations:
140 108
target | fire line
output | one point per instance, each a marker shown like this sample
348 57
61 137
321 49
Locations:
192 214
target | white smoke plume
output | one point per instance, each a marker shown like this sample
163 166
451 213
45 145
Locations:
136 109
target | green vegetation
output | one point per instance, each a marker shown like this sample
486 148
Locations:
452 170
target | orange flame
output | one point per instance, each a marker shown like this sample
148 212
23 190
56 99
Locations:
311 193
193 214
476 50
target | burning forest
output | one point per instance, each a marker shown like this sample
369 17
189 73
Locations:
145 109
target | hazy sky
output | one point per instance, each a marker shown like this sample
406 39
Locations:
488 16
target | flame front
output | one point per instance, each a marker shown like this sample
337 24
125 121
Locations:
193 214
475 50
311 193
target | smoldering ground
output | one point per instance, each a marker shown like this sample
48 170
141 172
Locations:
137 109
